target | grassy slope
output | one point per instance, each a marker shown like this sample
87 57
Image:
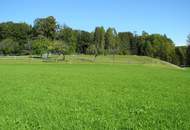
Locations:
119 59
94 96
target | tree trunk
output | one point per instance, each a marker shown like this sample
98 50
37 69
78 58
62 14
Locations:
63 57
113 58
95 57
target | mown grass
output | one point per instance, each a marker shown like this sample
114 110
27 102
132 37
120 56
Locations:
94 96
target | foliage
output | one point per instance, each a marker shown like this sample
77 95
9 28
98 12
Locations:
9 46
125 40
19 32
188 49
158 46
60 47
111 41
99 42
99 39
67 35
84 42
188 39
181 55
92 49
41 46
45 27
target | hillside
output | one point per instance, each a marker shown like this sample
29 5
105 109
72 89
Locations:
86 59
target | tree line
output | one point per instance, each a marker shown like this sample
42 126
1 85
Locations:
47 36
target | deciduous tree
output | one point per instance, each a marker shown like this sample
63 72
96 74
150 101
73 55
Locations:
99 39
45 27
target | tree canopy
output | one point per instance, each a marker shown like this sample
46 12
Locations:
46 36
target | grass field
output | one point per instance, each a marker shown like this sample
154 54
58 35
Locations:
133 93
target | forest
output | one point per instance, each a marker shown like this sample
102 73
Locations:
47 36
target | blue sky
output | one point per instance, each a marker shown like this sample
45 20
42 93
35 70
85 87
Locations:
169 17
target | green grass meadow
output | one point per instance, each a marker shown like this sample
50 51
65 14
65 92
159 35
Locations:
136 93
